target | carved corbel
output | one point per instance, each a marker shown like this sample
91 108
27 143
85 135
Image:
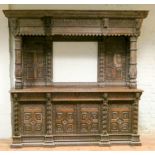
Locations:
13 25
105 25
138 23
47 25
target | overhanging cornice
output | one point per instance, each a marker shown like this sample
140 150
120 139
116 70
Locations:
75 22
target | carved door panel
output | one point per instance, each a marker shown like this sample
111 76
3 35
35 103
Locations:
34 66
115 60
89 118
33 119
76 118
65 118
120 118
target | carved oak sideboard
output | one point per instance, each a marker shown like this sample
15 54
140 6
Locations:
46 113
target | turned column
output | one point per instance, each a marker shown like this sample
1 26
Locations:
49 137
16 122
101 62
18 62
133 62
104 121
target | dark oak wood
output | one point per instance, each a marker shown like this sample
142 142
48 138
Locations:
45 113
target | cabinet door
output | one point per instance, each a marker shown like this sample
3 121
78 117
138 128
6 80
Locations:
120 117
65 118
89 118
32 119
76 118
34 66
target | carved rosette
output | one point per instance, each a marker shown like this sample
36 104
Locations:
133 62
16 115
135 114
101 62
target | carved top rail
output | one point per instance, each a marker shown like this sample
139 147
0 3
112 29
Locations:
75 22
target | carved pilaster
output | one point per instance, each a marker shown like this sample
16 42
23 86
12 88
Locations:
135 137
133 62
49 137
47 25
18 62
104 115
101 63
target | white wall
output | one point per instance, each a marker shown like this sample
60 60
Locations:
71 59
146 63
5 106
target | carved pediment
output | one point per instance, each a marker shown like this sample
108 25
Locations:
75 22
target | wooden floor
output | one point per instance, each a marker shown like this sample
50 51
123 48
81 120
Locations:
148 144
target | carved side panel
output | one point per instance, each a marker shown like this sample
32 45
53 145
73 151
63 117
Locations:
120 118
89 118
65 118
34 63
33 119
115 59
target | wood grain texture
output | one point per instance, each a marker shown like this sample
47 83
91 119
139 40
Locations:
45 113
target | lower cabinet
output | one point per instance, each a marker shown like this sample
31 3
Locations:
49 121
